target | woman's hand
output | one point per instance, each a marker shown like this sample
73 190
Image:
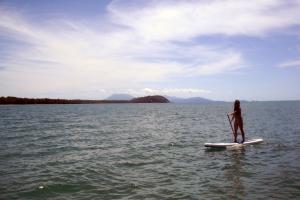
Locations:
232 118
230 113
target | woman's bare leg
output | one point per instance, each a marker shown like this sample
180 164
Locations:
235 131
243 133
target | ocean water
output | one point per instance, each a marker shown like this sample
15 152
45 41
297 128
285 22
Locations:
147 151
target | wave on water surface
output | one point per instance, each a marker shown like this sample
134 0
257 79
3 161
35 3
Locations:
153 151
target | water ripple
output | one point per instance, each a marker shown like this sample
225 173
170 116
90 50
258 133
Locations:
147 152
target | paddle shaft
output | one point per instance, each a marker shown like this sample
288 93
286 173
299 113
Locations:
230 124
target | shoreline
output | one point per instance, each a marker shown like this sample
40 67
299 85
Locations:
34 101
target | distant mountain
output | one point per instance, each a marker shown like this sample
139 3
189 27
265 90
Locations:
120 97
190 100
150 99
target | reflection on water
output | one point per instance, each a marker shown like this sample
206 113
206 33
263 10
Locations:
235 169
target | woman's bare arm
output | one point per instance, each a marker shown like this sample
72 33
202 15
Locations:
232 118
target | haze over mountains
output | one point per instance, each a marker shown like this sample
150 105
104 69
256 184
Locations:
189 100
120 96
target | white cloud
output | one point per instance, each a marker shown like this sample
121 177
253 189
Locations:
183 92
153 44
291 63
184 19
72 56
229 62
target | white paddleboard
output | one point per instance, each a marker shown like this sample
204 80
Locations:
230 144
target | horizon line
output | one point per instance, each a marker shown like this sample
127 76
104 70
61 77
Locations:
166 96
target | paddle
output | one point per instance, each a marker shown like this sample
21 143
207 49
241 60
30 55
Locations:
230 124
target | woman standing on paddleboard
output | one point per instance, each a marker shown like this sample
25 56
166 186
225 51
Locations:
238 120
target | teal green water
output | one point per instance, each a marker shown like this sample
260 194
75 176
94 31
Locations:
147 151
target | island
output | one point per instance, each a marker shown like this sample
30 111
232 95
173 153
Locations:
18 100
150 99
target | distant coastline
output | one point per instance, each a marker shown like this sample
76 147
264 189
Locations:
18 100
147 99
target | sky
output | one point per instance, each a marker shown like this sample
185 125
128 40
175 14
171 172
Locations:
216 49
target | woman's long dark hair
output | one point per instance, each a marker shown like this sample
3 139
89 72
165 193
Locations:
237 107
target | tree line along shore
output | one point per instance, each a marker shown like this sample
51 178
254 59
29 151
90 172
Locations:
18 100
